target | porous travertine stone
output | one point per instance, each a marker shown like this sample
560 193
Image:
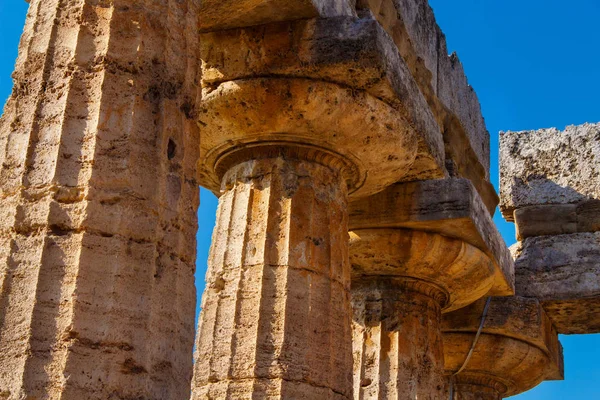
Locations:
218 15
550 189
417 249
549 167
461 271
276 311
397 344
442 80
350 52
563 271
518 348
98 148
472 388
450 207
557 219
401 282
284 102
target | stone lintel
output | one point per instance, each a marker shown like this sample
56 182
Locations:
517 335
355 54
441 77
557 219
563 272
218 15
451 207
549 167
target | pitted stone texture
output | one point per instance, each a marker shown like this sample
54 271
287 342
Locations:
557 219
219 15
365 133
442 80
451 207
354 53
397 342
563 271
517 335
477 391
549 167
276 314
462 272
98 149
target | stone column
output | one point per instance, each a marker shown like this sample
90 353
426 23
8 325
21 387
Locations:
276 320
476 388
403 279
98 148
397 333
298 117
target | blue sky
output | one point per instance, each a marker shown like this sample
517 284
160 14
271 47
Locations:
534 64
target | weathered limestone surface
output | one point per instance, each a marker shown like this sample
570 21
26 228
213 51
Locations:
228 14
417 249
442 80
350 52
557 219
338 108
98 148
550 189
517 350
459 270
450 207
563 271
401 282
549 167
276 312
397 345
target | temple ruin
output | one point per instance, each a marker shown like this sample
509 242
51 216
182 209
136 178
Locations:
354 254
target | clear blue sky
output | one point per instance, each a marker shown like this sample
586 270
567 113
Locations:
533 63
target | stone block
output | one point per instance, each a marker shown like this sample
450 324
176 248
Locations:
563 272
356 54
218 15
451 207
549 167
557 219
441 78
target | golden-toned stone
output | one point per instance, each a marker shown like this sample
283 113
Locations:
397 345
306 113
518 348
218 15
276 311
449 207
460 271
98 152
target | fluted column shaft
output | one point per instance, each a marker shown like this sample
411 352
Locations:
98 153
475 391
397 342
275 319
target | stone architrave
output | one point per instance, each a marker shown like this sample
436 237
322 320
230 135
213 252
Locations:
442 80
550 189
98 155
518 348
415 255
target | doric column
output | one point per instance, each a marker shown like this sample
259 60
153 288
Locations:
476 388
297 118
517 349
397 339
98 148
403 279
276 320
